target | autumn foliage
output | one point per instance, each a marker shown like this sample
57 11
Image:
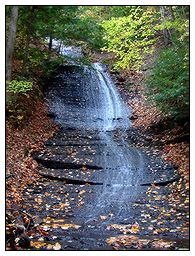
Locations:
21 142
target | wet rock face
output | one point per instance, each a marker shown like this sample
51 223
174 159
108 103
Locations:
106 174
85 97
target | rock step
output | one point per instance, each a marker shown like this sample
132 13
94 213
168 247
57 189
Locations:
71 151
72 143
83 174
70 181
57 164
78 133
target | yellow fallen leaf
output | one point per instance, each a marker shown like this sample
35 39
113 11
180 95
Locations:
103 217
157 198
37 245
58 220
20 117
41 239
67 226
57 247
82 192
49 247
134 228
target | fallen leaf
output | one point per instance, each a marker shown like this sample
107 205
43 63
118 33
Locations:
103 217
57 247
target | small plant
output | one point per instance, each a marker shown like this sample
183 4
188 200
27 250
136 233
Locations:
17 100
15 86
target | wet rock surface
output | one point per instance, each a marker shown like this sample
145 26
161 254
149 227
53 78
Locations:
98 177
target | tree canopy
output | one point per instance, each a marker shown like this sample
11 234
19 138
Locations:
129 32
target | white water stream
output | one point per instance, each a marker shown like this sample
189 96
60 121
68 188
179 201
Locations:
124 167
113 108
87 99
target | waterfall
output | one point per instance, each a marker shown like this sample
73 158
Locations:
114 113
90 100
85 100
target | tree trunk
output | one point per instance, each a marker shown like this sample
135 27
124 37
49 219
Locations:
172 13
165 31
11 41
59 48
50 43
29 32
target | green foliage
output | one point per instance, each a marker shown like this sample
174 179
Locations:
179 25
90 31
37 56
53 20
129 32
121 11
130 38
40 62
49 67
20 102
15 86
85 27
169 82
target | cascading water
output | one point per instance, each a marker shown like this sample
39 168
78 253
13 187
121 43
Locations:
102 168
87 99
114 114
113 108
91 100
95 177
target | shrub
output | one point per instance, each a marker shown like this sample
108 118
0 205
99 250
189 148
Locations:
19 104
15 86
169 82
